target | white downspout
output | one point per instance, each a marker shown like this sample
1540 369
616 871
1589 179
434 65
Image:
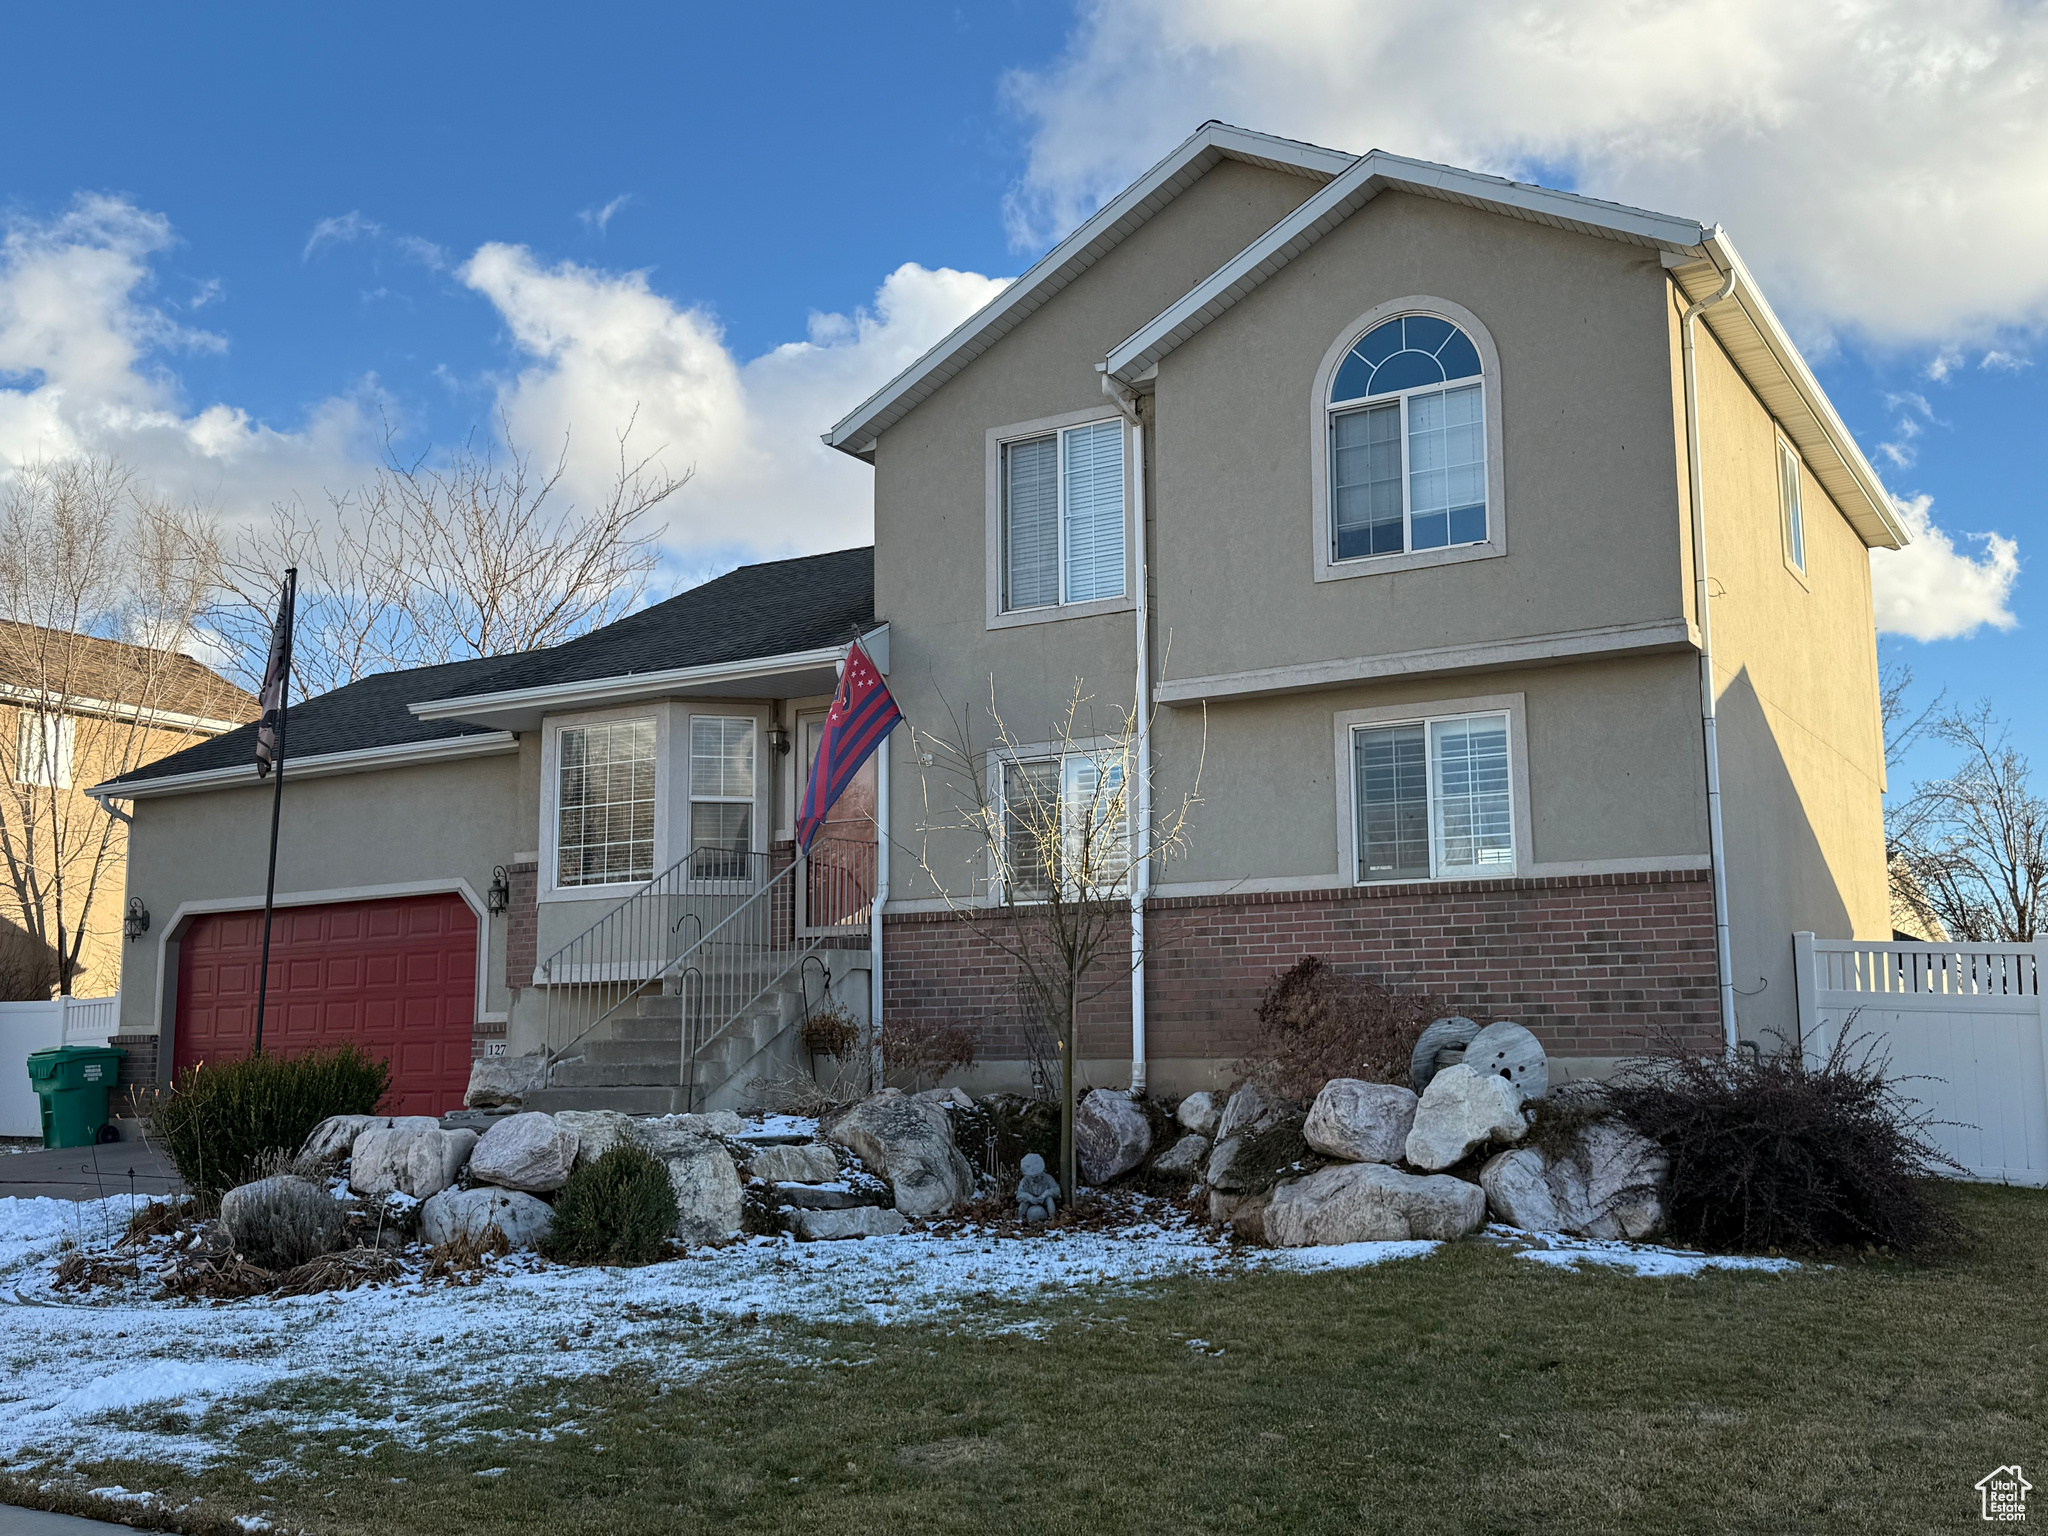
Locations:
1717 853
882 825
1141 850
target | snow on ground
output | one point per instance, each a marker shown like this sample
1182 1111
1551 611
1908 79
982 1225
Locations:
1645 1259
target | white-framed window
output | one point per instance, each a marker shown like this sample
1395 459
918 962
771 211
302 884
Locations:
722 759
1062 516
1433 799
43 749
1407 442
605 801
1788 502
1065 818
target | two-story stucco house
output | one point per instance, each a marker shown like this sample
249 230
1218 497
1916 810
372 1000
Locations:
1488 558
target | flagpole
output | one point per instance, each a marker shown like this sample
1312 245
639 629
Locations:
291 601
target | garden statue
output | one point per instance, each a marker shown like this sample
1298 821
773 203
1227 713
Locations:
1038 1192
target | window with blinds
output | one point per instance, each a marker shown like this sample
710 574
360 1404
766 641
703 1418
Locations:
604 803
1065 819
1435 799
721 795
1063 517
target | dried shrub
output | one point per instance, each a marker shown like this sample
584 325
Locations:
77 1271
830 1031
283 1221
921 1053
221 1278
224 1124
1001 1127
342 1271
1314 1023
465 1256
619 1209
158 1218
1278 1152
1769 1153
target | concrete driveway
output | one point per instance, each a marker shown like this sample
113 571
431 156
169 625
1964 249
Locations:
87 1173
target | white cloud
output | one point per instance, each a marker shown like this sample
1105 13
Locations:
1883 163
599 218
1998 361
1913 410
347 228
1931 590
604 345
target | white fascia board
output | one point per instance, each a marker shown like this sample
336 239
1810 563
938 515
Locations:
1110 225
641 685
325 766
1372 174
110 709
1888 532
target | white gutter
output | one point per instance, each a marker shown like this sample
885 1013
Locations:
44 701
1141 853
367 760
881 900
1724 959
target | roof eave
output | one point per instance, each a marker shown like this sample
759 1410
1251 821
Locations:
322 766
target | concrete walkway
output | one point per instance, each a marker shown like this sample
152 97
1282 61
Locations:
15 1521
86 1173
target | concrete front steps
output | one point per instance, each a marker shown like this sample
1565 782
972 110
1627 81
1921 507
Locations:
634 1064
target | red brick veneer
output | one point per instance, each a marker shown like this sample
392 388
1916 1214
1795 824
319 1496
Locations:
1595 964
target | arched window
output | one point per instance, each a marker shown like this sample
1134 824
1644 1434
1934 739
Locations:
1407 441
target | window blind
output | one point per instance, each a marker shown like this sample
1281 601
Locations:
1095 511
1031 524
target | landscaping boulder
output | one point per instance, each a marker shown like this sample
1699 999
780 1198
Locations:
1360 1122
816 1197
854 1221
1607 1186
716 1122
1252 1109
814 1163
910 1142
1452 1035
476 1213
282 1222
1253 1160
416 1158
1188 1157
1371 1203
1508 1050
1200 1112
597 1131
530 1152
498 1080
1111 1136
701 1172
1459 1112
333 1139
1245 1215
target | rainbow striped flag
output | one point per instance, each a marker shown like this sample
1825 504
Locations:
863 713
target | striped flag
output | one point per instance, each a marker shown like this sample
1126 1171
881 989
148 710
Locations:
863 713
276 678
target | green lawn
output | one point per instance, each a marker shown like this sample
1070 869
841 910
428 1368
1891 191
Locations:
1470 1391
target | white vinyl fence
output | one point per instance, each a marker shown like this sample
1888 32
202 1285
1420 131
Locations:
1962 1023
27 1027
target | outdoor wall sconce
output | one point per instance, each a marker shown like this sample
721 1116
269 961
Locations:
778 738
136 923
498 897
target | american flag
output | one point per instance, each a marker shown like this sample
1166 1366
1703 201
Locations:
863 713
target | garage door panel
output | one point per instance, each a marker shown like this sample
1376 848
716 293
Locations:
396 977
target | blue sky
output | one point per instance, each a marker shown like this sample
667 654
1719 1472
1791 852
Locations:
255 235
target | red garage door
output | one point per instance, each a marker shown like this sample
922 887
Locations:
396 977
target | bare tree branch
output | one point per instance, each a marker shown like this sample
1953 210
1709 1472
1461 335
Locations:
1977 842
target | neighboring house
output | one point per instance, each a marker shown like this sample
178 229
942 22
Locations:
75 709
1913 915
1383 468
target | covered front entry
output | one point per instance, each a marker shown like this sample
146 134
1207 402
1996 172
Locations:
397 977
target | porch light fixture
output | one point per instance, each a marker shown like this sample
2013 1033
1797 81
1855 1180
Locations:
497 898
136 923
778 738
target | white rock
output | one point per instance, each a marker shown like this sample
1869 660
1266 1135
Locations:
1246 1214
1251 1109
1360 1122
597 1131
496 1080
1625 1181
417 1158
1519 1192
1508 1050
280 1222
814 1163
716 1122
1111 1136
1459 1112
1200 1113
854 1221
335 1137
1188 1156
1371 1203
531 1152
910 1142
473 1213
1610 1189
701 1172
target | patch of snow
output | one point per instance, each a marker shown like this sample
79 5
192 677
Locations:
1644 1259
805 1126
116 1494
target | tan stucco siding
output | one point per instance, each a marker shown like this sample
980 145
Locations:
1802 753
1586 479
349 837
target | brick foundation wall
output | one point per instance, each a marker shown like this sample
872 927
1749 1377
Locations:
1596 965
135 1090
522 925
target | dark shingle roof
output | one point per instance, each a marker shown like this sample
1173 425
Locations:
757 610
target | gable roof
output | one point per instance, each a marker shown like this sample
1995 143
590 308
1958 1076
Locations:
100 676
1700 259
1110 226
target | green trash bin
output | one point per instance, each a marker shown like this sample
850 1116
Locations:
73 1082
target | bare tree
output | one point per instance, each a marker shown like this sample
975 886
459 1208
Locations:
481 556
1904 728
1977 841
1036 838
101 586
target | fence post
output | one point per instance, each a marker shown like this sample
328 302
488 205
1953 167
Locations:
1806 986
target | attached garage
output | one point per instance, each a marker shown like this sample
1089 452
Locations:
397 977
